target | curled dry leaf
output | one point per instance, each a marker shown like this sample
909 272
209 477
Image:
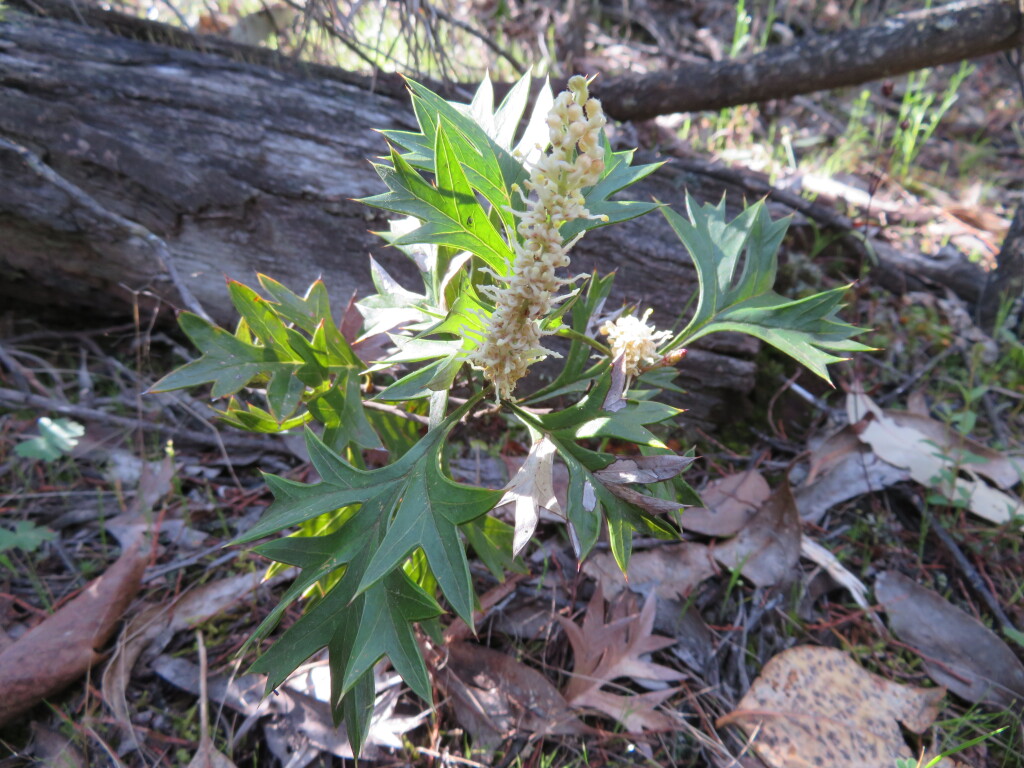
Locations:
207 755
644 469
767 549
605 652
817 554
494 695
730 502
933 455
531 489
70 641
957 650
816 706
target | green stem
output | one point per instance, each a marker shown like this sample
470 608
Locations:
569 333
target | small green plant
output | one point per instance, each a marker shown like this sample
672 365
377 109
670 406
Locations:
57 438
489 222
919 116
26 536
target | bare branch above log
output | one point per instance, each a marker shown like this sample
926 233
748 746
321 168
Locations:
898 45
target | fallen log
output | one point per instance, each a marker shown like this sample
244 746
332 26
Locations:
138 172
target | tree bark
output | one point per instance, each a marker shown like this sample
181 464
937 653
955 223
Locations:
960 30
125 162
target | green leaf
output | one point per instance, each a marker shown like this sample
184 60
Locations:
450 212
262 319
312 314
340 410
422 508
807 330
57 437
491 540
588 500
618 174
228 363
26 536
427 516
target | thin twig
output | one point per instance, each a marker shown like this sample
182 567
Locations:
482 36
84 199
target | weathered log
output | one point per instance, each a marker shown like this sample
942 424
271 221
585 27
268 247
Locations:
148 157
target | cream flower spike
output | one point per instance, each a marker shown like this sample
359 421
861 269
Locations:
575 161
635 340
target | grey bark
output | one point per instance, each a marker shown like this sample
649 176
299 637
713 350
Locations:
150 157
901 44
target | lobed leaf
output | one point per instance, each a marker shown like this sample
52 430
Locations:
807 330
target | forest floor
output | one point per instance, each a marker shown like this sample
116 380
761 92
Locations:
909 594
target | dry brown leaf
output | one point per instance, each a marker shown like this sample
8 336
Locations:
842 468
815 706
767 549
730 503
1003 470
930 451
605 652
65 645
494 695
53 749
644 469
957 650
669 570
617 476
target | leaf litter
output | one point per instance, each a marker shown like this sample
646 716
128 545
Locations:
957 650
604 652
814 706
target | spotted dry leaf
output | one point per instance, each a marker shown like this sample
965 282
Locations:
815 706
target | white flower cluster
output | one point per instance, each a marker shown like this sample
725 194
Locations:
634 339
574 162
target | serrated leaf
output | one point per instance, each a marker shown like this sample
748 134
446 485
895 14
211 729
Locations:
422 507
262 319
427 516
589 501
603 652
807 330
493 164
491 540
227 362
618 174
340 410
449 216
